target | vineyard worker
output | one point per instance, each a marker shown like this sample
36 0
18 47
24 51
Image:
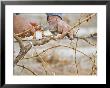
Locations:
25 27
22 24
56 23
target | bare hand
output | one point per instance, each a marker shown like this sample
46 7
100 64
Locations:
61 27
21 24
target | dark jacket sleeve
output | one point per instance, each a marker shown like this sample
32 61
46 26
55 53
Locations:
54 14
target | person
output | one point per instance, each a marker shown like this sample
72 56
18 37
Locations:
22 24
55 21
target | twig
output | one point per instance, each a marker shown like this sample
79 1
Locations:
43 64
23 49
49 49
89 36
47 39
59 46
75 58
94 67
85 39
42 41
82 21
19 34
19 40
27 69
77 24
